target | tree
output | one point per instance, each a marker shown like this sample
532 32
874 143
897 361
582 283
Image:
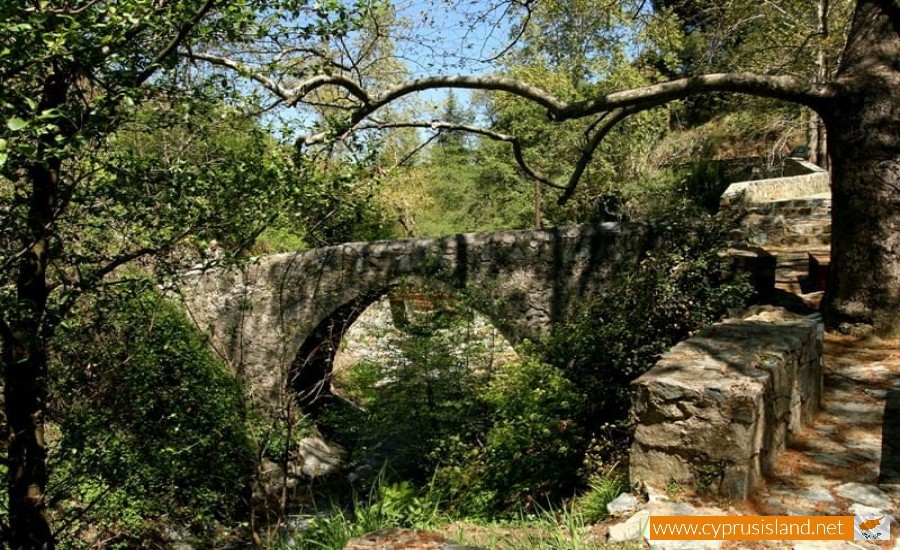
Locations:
859 106
76 205
790 37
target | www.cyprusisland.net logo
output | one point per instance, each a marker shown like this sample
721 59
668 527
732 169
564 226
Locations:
872 527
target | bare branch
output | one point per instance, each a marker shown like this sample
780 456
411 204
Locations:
478 130
492 83
291 96
239 68
416 151
609 120
296 94
515 39
76 11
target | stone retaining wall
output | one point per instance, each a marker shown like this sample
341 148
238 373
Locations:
715 411
801 179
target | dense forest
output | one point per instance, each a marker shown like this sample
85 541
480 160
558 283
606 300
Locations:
139 138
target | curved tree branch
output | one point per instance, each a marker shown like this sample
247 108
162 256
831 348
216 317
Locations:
448 126
290 96
176 41
614 107
788 88
609 120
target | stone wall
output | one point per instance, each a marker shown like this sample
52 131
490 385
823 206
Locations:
786 212
715 411
801 179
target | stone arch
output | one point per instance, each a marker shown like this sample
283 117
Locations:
311 370
260 316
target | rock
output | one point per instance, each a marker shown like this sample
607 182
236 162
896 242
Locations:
176 538
810 494
868 495
271 483
622 504
858 330
769 314
716 409
404 539
318 457
857 509
633 528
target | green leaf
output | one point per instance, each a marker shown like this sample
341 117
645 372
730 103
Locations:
15 123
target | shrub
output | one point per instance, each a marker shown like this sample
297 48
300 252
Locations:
531 450
676 289
152 427
412 401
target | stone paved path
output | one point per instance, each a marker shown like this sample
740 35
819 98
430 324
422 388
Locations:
846 461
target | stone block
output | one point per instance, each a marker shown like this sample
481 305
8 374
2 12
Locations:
657 468
717 408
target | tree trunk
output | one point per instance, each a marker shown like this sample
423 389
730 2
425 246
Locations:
25 392
25 372
864 143
818 149
25 344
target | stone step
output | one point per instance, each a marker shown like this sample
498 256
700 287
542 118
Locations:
800 207
796 236
779 220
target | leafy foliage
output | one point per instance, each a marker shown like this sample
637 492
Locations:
531 449
479 434
152 427
677 288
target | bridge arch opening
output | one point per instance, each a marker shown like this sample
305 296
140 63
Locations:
378 327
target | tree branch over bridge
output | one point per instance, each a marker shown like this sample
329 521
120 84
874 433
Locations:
612 108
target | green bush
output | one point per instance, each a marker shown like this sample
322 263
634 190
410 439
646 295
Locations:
531 450
676 289
152 427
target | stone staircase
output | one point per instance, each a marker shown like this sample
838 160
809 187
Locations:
802 223
788 217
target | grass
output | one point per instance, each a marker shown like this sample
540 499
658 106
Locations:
399 505
601 491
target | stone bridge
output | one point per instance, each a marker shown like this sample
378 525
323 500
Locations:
279 320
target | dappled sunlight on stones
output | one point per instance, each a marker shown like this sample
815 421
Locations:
831 467
841 452
717 408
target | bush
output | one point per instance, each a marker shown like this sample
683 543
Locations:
413 401
152 427
530 452
676 289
